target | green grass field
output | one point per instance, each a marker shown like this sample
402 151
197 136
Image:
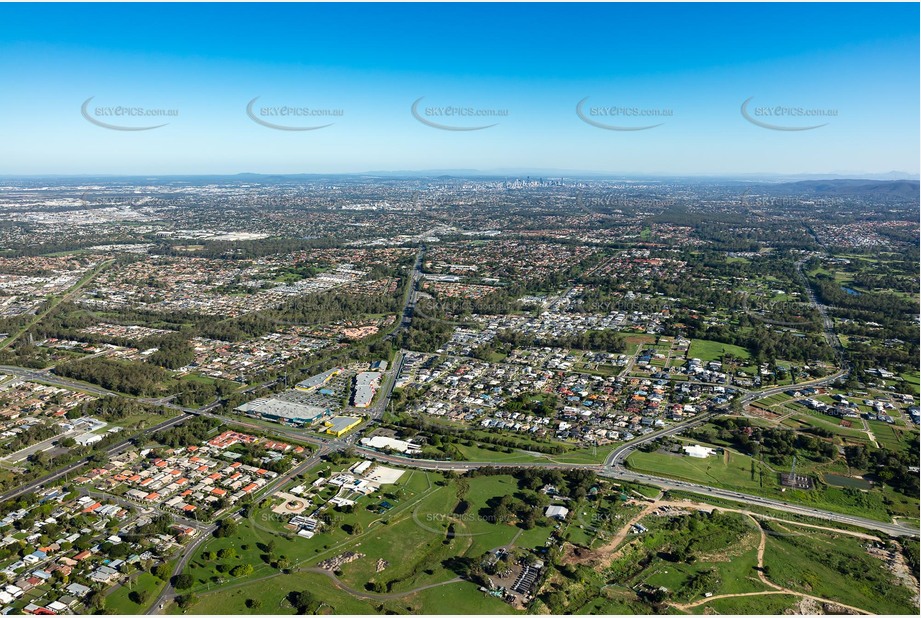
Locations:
913 380
262 527
272 593
460 598
889 436
707 350
714 470
119 601
481 453
737 475
424 508
771 605
587 455
804 419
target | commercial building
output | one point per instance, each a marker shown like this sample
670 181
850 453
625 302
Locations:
340 425
698 451
281 411
366 384
85 439
314 382
381 443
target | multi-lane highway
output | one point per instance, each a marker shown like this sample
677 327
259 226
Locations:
45 376
779 505
612 467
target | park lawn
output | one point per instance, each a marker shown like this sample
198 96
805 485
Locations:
249 543
586 455
707 350
428 524
458 598
613 602
768 604
586 525
534 538
119 602
803 419
482 453
487 534
410 565
272 594
262 527
736 473
836 567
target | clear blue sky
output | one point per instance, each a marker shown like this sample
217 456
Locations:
537 61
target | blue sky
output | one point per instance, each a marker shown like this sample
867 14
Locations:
857 62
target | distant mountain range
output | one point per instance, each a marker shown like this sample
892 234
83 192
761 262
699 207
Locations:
564 173
893 188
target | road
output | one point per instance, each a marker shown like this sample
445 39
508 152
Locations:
45 376
612 468
409 301
705 490
168 593
187 553
66 470
828 325
54 303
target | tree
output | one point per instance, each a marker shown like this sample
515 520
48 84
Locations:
225 527
253 603
304 602
96 600
183 581
185 601
161 571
